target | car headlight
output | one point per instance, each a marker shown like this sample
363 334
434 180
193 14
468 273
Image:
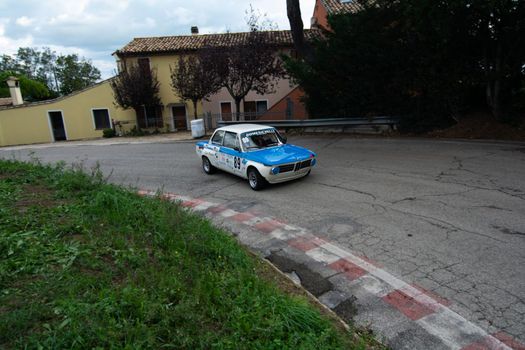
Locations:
275 170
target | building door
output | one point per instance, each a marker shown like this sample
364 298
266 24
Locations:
57 126
179 117
226 111
250 110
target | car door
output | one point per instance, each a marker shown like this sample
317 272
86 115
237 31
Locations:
213 149
232 154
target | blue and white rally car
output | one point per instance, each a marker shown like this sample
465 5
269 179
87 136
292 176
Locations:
255 152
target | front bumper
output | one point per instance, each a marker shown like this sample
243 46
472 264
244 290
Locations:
294 171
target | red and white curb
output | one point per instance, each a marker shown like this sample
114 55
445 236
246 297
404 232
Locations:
427 310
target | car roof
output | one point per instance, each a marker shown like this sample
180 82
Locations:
240 128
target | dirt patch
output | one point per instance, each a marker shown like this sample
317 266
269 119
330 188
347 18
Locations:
269 274
10 175
36 195
346 310
311 281
482 126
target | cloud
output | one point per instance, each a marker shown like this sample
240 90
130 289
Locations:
9 45
24 21
96 28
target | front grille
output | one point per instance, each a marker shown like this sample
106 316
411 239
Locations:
295 166
286 168
305 164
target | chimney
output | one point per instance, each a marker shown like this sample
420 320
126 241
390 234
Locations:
14 90
194 30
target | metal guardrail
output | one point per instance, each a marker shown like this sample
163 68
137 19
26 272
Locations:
316 123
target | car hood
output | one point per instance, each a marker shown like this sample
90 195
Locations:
279 155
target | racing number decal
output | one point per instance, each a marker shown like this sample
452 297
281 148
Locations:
236 163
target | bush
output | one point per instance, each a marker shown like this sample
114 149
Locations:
107 133
136 132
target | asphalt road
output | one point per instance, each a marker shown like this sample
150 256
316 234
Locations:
448 216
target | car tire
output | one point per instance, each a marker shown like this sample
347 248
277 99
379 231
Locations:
207 167
255 179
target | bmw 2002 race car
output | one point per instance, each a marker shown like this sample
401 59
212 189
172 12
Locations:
255 152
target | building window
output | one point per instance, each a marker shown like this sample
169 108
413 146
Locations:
262 107
249 107
120 66
144 63
144 66
153 116
101 118
254 109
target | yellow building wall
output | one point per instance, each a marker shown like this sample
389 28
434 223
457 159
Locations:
30 124
161 65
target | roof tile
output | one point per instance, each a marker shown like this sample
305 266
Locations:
337 6
170 44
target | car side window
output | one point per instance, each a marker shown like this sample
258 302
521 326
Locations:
217 138
231 140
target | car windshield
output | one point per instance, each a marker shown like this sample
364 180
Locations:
260 139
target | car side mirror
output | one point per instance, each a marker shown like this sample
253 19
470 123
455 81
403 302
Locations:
236 148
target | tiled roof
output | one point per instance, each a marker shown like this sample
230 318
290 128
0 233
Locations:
170 44
337 6
6 101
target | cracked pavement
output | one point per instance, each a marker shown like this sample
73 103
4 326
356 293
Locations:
448 216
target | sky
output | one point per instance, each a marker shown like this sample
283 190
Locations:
94 29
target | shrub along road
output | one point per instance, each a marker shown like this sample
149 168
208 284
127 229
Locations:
447 217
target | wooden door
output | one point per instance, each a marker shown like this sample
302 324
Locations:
226 111
179 117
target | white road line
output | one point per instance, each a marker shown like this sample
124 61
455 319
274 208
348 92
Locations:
203 206
322 255
228 213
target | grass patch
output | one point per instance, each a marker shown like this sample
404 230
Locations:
85 264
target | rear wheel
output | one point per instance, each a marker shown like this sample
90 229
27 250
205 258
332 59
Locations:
255 179
207 167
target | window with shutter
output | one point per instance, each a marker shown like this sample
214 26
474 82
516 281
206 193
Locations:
144 66
101 119
153 117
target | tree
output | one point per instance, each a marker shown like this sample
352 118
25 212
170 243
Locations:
62 74
9 64
137 88
32 90
356 67
194 79
303 48
74 74
499 27
252 65
427 61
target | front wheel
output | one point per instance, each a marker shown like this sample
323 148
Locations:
207 167
255 179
